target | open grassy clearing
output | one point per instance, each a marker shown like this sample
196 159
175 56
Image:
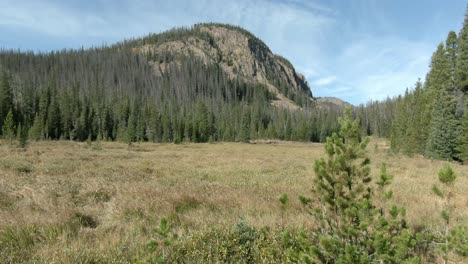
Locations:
85 200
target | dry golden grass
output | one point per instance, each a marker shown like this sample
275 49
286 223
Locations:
127 189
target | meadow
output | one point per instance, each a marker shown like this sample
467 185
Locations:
67 202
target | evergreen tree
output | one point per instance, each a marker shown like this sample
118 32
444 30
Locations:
439 76
54 120
188 129
94 96
461 70
22 135
36 132
351 229
202 123
444 129
132 126
6 96
447 242
244 130
166 126
451 45
271 131
8 128
462 147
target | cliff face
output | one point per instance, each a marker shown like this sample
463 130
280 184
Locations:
237 52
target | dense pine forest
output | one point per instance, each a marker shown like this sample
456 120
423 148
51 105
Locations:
431 118
113 93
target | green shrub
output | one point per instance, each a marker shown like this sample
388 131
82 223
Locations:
241 244
354 224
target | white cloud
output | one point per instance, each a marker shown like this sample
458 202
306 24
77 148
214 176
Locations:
335 49
381 67
324 81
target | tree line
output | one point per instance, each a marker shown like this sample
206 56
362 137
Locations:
431 118
112 93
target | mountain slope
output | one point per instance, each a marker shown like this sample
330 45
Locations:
331 102
237 52
208 82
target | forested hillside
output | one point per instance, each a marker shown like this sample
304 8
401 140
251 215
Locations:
209 82
431 118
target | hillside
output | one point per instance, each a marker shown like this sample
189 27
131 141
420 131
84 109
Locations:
331 102
238 53
208 82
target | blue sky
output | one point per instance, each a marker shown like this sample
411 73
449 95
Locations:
354 50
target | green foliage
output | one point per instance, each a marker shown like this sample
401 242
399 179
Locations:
459 240
462 147
385 178
461 70
22 136
118 96
432 118
351 228
452 238
284 199
8 128
159 246
447 175
239 244
36 132
437 191
6 96
444 128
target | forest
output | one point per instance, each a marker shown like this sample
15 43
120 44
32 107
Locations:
111 93
432 117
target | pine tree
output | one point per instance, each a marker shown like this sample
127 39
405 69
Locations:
351 229
6 97
244 130
418 127
188 129
202 122
446 192
132 127
8 128
22 136
400 124
451 45
166 126
461 70
444 130
271 131
462 146
54 121
36 132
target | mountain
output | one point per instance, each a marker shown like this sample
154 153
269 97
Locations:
237 52
206 82
331 102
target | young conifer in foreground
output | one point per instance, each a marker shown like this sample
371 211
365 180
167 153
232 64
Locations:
452 238
350 227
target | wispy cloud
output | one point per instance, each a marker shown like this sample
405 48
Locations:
325 81
355 50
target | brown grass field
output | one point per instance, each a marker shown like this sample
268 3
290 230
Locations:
122 191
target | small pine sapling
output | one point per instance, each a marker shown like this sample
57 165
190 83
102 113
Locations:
451 236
